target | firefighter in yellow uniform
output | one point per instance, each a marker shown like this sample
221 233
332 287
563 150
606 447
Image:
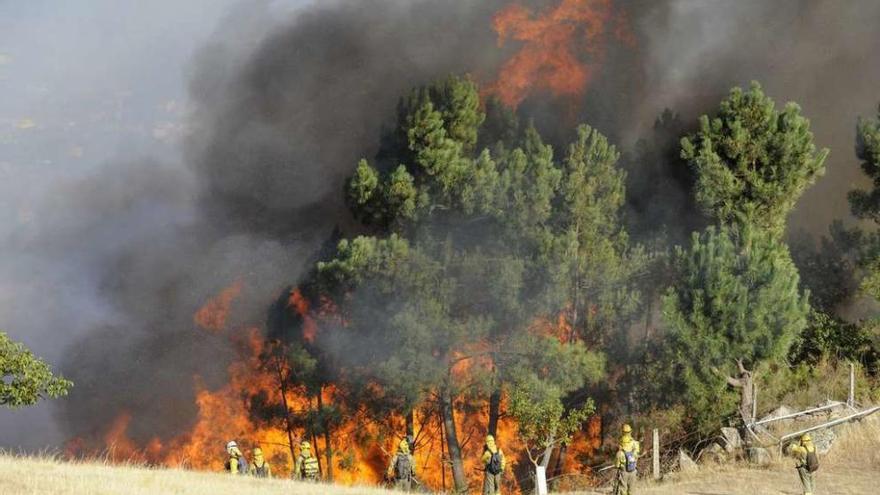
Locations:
260 468
306 467
494 465
627 457
804 453
402 469
235 463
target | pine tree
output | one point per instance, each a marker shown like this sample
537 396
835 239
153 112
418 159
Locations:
866 204
736 300
752 161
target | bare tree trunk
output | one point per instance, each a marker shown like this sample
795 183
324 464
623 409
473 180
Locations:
559 469
494 411
744 383
411 423
282 384
317 453
452 445
325 425
442 451
548 453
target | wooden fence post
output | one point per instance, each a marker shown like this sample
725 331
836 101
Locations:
656 452
851 400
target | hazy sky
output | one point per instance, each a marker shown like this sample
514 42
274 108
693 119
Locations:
84 85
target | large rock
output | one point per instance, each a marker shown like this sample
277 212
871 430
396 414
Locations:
732 440
823 440
685 463
713 454
834 412
778 413
758 456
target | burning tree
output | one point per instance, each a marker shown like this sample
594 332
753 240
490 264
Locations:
468 248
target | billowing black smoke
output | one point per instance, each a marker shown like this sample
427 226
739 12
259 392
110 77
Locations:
281 118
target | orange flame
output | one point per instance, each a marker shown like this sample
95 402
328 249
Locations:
361 444
562 47
212 316
299 303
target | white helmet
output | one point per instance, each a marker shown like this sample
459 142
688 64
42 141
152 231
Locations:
231 445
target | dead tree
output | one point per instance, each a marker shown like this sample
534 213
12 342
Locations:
744 382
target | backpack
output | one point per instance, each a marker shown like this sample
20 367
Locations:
261 471
812 462
631 464
403 467
494 465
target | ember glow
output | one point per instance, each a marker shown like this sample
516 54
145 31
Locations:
562 48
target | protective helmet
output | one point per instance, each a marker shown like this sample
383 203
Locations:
404 444
305 445
627 428
806 438
258 451
490 439
231 445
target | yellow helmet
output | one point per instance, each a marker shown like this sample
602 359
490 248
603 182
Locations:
258 451
806 438
490 438
305 445
627 428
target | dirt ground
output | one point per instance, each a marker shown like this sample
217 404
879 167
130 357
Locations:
777 481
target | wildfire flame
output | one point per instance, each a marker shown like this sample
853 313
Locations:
212 316
361 445
562 47
299 303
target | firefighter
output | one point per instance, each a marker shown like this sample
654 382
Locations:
236 463
402 468
493 466
260 467
306 467
804 453
627 457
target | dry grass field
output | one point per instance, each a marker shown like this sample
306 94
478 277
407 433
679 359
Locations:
32 476
851 468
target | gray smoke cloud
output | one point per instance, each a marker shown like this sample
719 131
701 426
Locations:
104 266
819 54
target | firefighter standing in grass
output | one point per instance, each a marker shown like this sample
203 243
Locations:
260 468
627 457
807 461
494 464
236 463
402 469
306 467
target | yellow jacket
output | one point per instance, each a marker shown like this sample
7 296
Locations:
627 444
232 462
799 452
